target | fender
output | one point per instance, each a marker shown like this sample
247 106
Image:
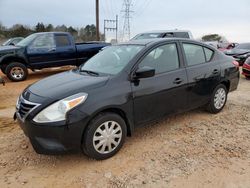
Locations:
12 57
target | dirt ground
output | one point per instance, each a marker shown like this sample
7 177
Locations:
191 150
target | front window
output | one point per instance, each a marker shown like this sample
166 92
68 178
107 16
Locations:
111 60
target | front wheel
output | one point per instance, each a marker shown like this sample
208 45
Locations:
104 136
16 71
218 99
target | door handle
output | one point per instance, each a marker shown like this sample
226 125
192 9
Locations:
178 81
215 71
52 50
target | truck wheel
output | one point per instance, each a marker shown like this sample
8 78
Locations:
3 69
16 71
218 99
104 136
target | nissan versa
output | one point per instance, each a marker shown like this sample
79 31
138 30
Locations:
93 108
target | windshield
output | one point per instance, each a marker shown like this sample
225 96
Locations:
6 43
27 40
243 46
112 59
147 36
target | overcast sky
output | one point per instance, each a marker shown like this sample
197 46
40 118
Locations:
225 17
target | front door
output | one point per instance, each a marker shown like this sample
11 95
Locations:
165 93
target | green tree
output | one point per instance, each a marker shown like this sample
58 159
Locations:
211 37
40 27
49 28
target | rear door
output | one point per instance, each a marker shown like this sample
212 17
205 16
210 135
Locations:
165 93
202 71
65 49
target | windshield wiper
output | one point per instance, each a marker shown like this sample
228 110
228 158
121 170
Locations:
90 72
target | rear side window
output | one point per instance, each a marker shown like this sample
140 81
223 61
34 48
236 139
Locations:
209 54
62 40
194 54
181 35
162 59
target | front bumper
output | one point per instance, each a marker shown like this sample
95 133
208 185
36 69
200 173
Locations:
55 138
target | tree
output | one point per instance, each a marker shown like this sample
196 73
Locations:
211 37
40 27
49 28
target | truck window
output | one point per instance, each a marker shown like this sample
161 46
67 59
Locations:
43 41
62 40
181 35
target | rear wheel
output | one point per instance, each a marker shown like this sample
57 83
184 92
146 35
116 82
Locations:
218 99
247 77
104 136
16 71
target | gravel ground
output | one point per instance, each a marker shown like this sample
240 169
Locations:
193 149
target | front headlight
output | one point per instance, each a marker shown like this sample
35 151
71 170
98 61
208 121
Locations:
57 111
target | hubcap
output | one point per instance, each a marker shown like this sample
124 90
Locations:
107 137
17 72
219 98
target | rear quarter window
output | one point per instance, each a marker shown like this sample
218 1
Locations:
62 40
208 53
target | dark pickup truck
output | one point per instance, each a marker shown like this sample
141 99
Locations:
44 50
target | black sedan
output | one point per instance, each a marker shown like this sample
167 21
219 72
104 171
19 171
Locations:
93 108
240 52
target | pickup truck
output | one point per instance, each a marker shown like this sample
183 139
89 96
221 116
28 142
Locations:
44 50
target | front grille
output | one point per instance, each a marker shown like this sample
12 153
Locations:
24 107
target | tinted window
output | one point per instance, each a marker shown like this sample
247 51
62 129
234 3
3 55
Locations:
209 53
43 41
181 35
62 40
194 54
162 59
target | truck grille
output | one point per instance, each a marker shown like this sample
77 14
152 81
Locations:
24 107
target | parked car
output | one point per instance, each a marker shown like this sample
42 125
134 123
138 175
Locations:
2 81
226 46
12 41
164 34
44 50
241 52
246 68
95 107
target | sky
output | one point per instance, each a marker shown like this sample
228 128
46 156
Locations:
225 17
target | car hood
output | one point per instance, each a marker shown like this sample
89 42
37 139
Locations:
65 84
237 51
6 49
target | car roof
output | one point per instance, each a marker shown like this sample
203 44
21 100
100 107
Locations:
146 42
166 31
53 32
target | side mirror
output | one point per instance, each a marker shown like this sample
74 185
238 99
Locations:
144 72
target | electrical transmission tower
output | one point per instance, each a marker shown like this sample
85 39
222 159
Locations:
126 26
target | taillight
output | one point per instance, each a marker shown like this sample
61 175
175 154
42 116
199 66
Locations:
236 64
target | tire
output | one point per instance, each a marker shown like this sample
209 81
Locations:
247 77
3 69
218 99
97 148
16 71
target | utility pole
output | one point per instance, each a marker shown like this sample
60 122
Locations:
126 26
111 25
97 20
